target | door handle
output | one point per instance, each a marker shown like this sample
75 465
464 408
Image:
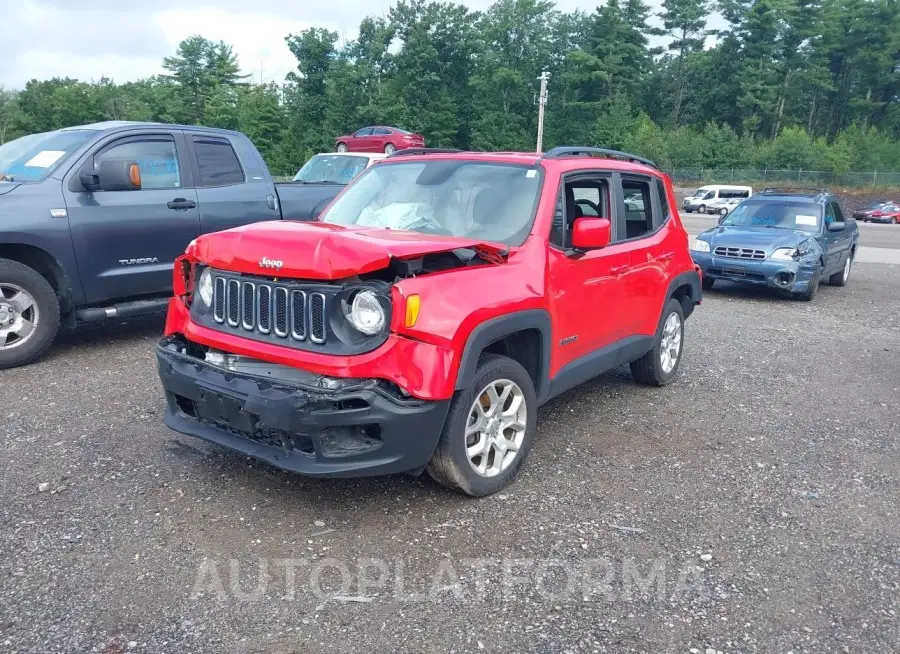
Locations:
180 204
615 270
665 256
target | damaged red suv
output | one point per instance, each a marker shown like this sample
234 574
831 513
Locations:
428 313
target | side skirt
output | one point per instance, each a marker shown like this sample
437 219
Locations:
596 363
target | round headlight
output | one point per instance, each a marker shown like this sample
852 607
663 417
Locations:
366 313
205 287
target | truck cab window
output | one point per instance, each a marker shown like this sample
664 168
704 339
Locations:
156 158
217 163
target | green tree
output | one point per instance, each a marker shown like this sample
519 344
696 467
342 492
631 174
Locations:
685 22
199 67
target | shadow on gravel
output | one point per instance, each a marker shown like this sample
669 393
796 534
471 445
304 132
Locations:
101 334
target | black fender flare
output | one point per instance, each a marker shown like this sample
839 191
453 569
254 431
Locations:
688 278
494 329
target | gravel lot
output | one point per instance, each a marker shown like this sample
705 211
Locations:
752 506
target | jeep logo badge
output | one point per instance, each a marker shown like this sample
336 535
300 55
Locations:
270 263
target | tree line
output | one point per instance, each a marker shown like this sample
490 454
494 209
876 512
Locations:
809 84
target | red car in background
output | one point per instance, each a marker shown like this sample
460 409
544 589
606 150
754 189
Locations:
879 212
379 139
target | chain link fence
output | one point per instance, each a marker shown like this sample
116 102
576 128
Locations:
768 177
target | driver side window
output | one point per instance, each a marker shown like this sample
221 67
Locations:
582 197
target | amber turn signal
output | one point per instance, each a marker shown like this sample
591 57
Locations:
413 302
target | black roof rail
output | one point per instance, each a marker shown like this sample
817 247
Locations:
411 151
795 190
579 151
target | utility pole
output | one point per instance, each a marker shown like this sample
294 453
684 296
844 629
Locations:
542 100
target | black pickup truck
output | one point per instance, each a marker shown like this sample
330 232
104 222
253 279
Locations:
93 217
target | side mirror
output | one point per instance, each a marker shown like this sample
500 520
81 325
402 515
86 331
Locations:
836 226
115 175
590 233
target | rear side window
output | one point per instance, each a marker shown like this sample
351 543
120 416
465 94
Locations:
638 210
217 163
663 200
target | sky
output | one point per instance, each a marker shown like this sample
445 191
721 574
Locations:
126 41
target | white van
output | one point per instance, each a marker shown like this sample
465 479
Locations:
700 199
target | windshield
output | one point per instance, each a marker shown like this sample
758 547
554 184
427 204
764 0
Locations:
32 158
875 205
801 216
485 201
333 168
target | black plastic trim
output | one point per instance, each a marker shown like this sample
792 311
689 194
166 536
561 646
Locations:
409 429
691 278
495 329
580 151
599 361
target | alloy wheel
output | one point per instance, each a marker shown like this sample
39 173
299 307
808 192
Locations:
495 428
670 344
18 315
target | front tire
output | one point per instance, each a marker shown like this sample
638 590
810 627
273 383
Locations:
342 147
701 208
489 429
810 292
29 314
723 212
840 278
893 221
659 366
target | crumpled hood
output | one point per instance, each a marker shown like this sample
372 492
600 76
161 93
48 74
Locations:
749 236
314 250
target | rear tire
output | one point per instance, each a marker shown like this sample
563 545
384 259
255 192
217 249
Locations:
29 309
389 149
654 368
456 460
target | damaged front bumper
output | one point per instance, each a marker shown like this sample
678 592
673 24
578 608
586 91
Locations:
790 276
299 421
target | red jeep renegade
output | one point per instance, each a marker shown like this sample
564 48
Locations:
428 313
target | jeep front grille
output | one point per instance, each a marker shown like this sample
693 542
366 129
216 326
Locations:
741 253
270 309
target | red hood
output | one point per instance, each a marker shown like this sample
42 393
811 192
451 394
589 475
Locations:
312 250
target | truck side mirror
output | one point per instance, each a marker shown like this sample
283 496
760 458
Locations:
836 226
117 175
590 233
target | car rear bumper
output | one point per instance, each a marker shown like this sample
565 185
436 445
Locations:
359 429
788 276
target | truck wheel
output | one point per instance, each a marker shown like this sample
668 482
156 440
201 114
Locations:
29 314
840 278
659 366
489 429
